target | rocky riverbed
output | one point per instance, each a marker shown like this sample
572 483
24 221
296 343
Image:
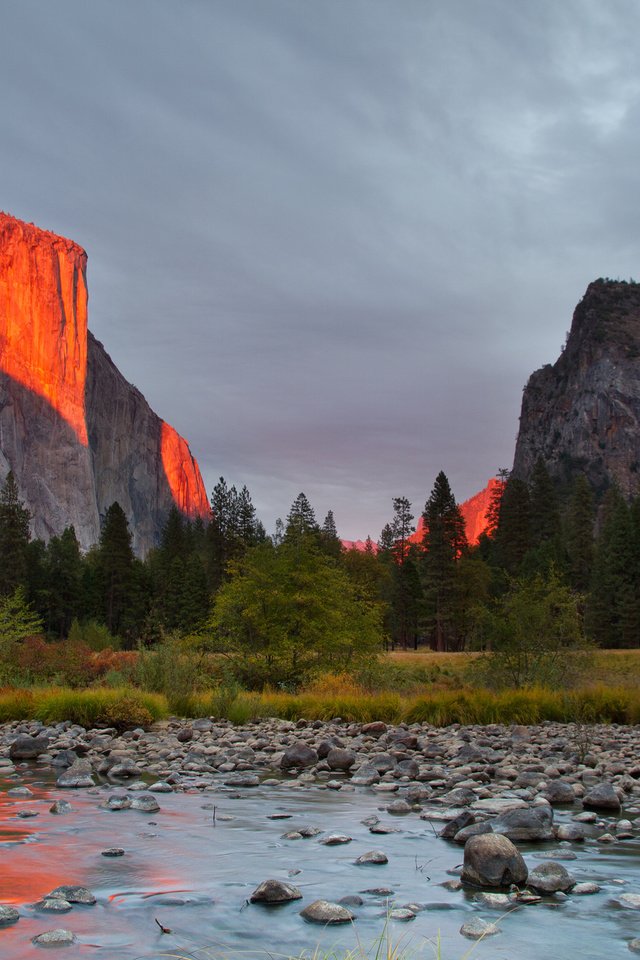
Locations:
476 832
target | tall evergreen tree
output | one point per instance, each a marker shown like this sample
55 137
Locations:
329 540
301 521
117 573
513 536
14 537
613 608
444 543
543 505
64 574
578 536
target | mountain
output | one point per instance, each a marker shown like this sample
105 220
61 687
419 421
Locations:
474 511
582 415
76 434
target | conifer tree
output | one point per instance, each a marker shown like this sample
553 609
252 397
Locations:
513 536
579 534
444 543
64 575
117 573
329 539
301 521
543 506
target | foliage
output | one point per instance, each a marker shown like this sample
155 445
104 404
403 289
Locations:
290 612
534 634
17 621
93 634
14 537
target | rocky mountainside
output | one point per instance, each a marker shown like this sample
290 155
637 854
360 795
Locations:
582 415
76 434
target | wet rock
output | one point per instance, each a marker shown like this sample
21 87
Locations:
372 856
601 797
60 807
365 776
478 929
398 807
118 803
629 900
379 891
532 824
382 828
72 893
574 832
8 915
21 792
300 754
403 914
624 830
407 768
550 877
55 938
586 889
339 759
491 860
241 780
322 911
352 900
335 839
146 803
26 814
494 901
382 762
606 838
53 905
160 786
473 830
275 891
559 791
28 748
79 774
465 819
113 852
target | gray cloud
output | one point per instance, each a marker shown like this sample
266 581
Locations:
330 241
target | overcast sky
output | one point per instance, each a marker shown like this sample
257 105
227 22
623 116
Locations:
330 239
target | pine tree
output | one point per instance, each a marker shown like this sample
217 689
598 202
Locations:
14 538
513 537
495 503
116 567
64 575
543 505
579 534
444 543
301 522
612 617
329 540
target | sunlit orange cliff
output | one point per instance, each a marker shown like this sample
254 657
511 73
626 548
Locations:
76 434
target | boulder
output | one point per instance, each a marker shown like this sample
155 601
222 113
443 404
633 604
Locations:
28 748
299 754
8 915
478 929
322 911
79 774
340 759
529 824
275 891
559 791
55 938
491 860
601 797
372 856
72 894
550 877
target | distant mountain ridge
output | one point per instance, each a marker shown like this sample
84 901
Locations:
74 432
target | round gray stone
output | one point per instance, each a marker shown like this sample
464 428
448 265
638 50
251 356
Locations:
275 891
323 911
8 915
55 938
491 860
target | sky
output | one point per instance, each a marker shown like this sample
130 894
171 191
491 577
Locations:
330 240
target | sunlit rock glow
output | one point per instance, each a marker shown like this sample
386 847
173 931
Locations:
183 474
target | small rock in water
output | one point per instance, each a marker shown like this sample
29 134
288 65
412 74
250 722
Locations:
586 888
161 786
55 938
73 894
379 891
335 839
146 803
60 806
494 901
113 852
352 900
373 856
630 900
275 891
322 911
550 877
26 814
402 913
8 915
382 828
53 905
398 807
19 792
478 929
118 803
634 945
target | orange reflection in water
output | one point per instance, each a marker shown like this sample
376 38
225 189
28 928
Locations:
43 317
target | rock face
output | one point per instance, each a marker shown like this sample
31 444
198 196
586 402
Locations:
582 415
76 434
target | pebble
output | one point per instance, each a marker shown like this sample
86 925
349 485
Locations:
478 929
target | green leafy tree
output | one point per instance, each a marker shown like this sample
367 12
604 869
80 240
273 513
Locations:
17 622
289 612
444 544
535 634
14 537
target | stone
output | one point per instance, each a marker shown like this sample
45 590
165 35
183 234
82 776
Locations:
79 774
145 802
465 819
275 891
113 852
53 905
478 929
72 893
402 914
376 729
55 938
398 807
365 776
550 877
532 824
629 900
372 856
601 797
28 748
339 759
574 832
473 830
60 807
586 889
351 900
493 901
559 791
8 915
335 839
299 754
322 911
491 860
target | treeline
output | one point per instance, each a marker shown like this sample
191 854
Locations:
440 592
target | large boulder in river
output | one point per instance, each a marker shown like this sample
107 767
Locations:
79 774
601 797
340 759
299 754
529 823
491 860
322 911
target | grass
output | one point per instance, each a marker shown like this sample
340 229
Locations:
121 708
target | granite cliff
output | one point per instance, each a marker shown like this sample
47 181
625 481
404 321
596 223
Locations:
582 415
75 433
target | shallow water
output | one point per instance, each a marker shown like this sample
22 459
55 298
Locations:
195 878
